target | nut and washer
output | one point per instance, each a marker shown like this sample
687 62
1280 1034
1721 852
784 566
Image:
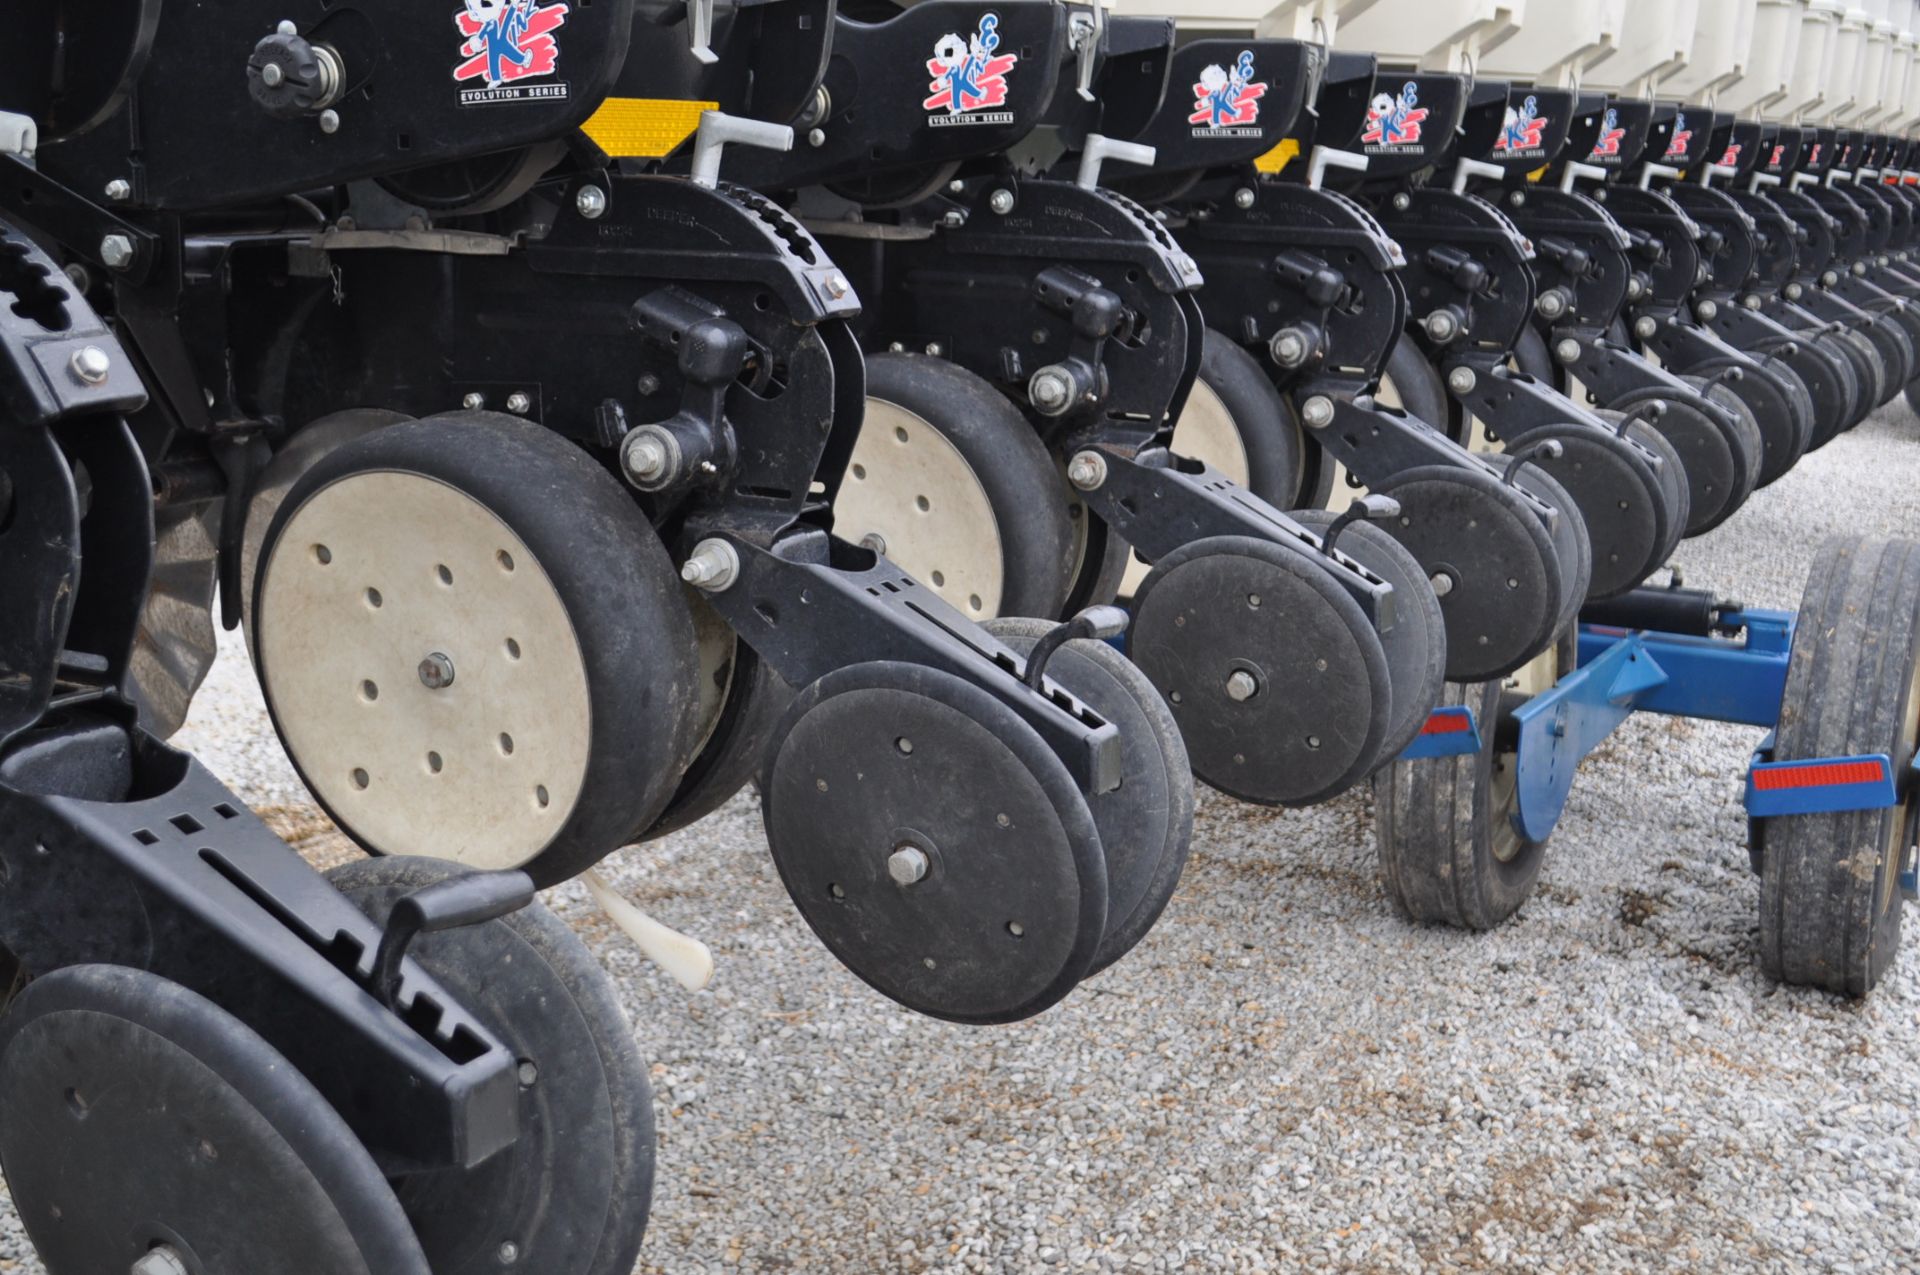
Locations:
1001 201
591 202
1087 471
1645 326
1244 197
1242 686
1051 390
436 671
837 286
90 365
1567 351
714 566
1551 304
649 457
908 865
1442 326
1462 380
119 190
1317 412
1707 310
1289 347
474 401
519 404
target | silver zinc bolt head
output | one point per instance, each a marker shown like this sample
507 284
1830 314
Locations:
90 365
1317 412
117 252
645 456
1289 347
519 404
1751 301
1402 201
1795 292
591 202
287 27
908 865
1001 201
329 121
714 566
1707 310
1462 380
1087 470
816 137
1645 326
1051 390
272 76
1518 198
474 401
159 1261
875 543
1551 304
935 349
1567 351
1241 686
119 190
1244 197
837 286
956 187
436 671
1442 326
1188 265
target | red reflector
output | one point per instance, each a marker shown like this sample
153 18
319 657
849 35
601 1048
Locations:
1822 775
1447 724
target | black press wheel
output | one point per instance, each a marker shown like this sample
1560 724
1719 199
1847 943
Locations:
1829 890
954 486
136 1115
1236 421
474 646
572 1193
1450 849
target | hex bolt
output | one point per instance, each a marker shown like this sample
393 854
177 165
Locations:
816 137
272 76
908 865
1462 380
1707 310
1551 304
119 190
1188 265
117 252
1645 326
1087 471
1242 686
474 401
934 349
519 404
1289 347
1051 390
837 286
1567 351
590 202
1001 201
646 457
1442 583
1442 326
874 543
159 1261
1794 291
1317 412
714 566
1402 202
329 121
436 671
90 365
1244 197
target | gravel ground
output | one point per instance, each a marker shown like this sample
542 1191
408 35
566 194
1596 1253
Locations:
1286 1074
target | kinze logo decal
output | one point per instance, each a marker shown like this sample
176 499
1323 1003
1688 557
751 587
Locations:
504 44
969 77
1393 123
1227 103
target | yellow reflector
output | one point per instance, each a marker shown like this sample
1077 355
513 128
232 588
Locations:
1279 157
644 127
1538 173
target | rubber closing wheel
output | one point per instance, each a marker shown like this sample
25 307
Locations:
1146 824
1001 899
135 1114
1628 510
1746 436
1715 475
1279 683
1673 480
572 1193
959 490
1450 849
1782 424
474 645
1492 563
1830 898
1416 645
1571 544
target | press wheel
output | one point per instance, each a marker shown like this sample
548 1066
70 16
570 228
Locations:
1491 560
1783 423
1830 898
1450 848
1416 645
1146 824
1572 546
1630 510
572 1193
474 645
1001 905
137 1115
1279 683
952 484
1715 471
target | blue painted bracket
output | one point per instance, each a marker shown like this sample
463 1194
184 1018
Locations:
1559 728
1450 732
1718 679
1822 786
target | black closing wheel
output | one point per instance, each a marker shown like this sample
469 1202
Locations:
935 843
1829 883
1235 421
1416 645
137 1116
1846 396
1450 849
1492 562
1279 682
474 645
1781 413
1146 823
1572 546
1628 507
1716 471
952 484
1672 475
572 1193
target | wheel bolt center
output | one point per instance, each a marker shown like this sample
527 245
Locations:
1242 686
436 671
908 865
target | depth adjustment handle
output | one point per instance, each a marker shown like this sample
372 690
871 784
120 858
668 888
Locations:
445 905
1100 148
718 130
1097 623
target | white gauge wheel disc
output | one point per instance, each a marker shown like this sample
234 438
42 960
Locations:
374 574
1206 432
908 484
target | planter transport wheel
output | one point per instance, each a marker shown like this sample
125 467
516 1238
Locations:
1830 897
935 843
571 1194
1279 683
138 1116
1147 822
473 644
